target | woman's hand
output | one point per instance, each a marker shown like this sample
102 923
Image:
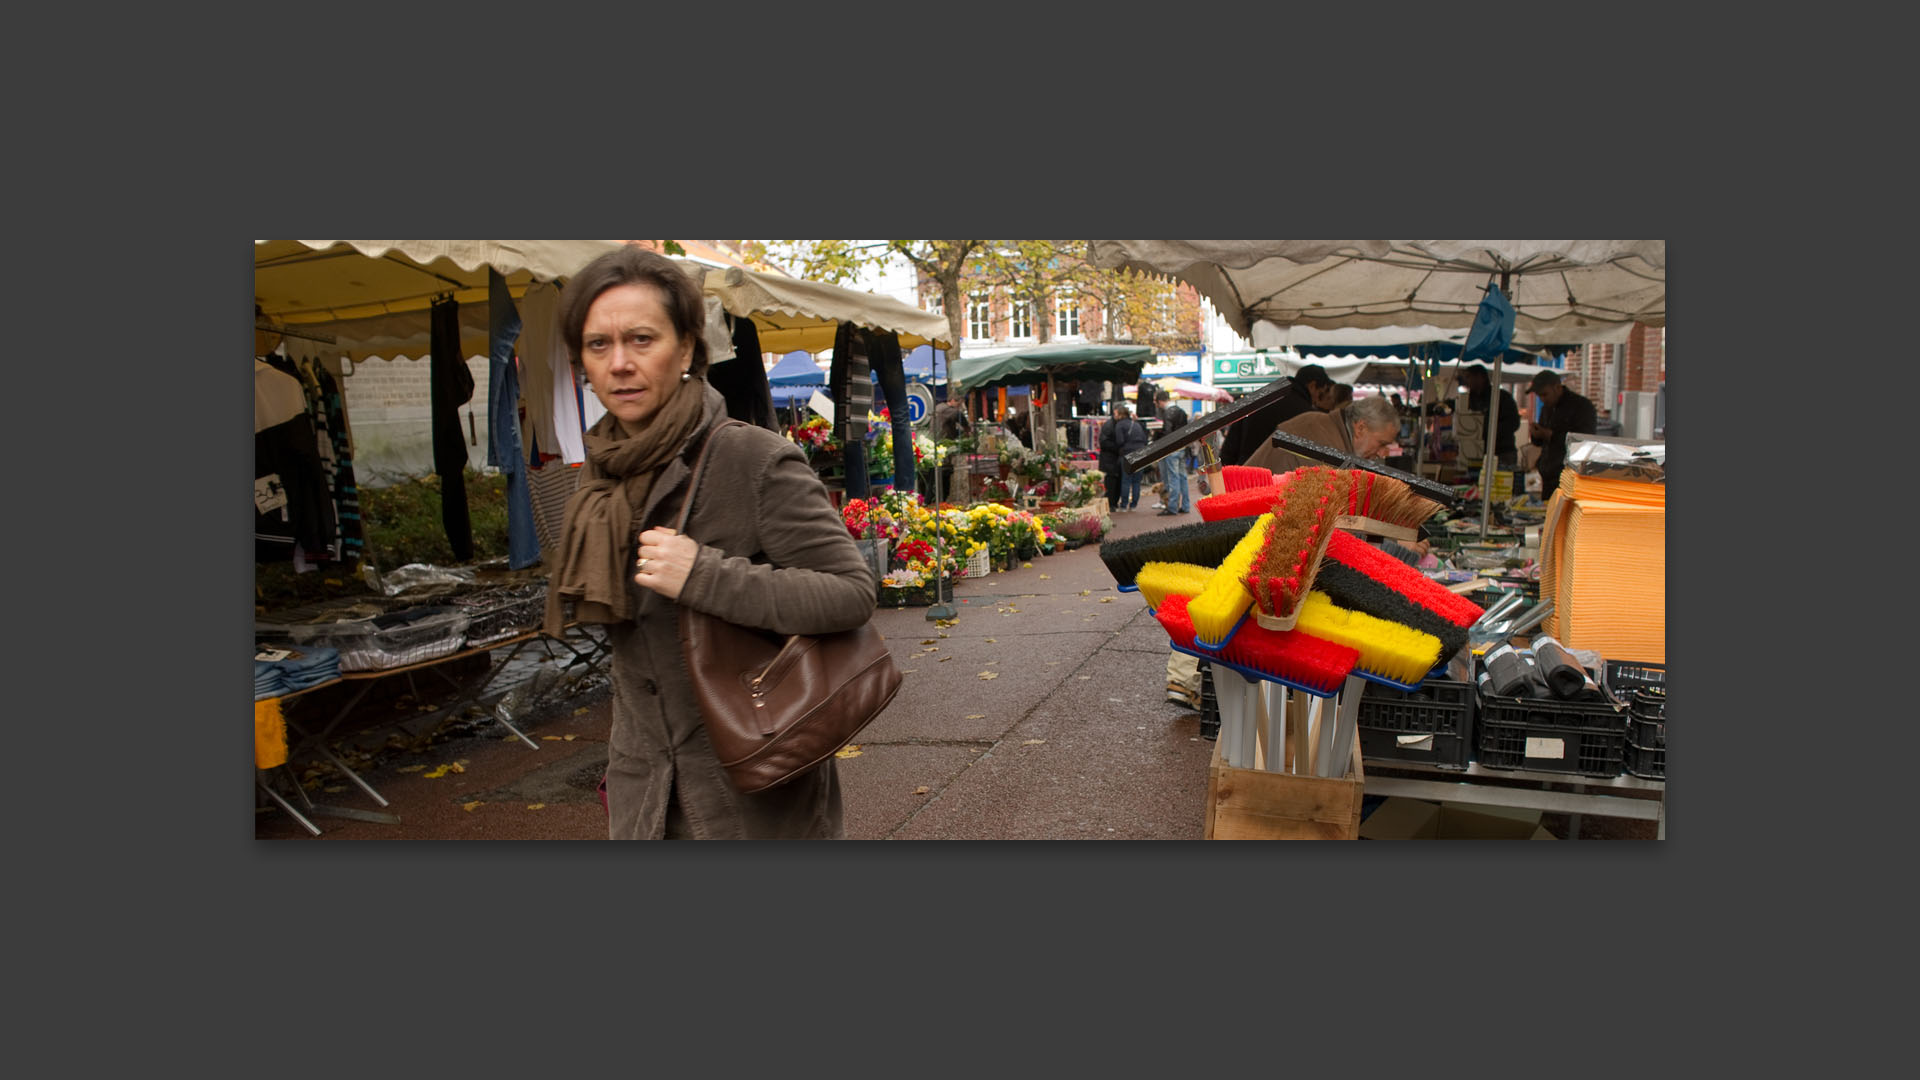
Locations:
666 558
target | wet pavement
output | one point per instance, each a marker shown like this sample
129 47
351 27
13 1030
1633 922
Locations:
1039 713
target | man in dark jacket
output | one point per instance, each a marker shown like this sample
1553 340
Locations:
1566 411
1479 392
1120 436
1311 386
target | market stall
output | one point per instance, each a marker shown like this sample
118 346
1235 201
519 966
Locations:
320 305
1520 708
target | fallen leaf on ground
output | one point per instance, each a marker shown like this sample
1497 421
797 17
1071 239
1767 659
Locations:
468 807
1044 577
1086 592
989 674
549 738
569 738
1033 742
847 751
921 790
1026 566
989 641
1083 678
977 716
439 772
944 659
581 710
929 641
410 768
536 806
335 789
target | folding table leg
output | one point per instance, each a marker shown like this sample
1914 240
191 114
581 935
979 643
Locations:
296 815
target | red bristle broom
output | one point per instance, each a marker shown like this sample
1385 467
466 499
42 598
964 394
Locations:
1241 477
1302 526
1384 506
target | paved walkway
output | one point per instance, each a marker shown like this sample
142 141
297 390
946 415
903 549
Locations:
1039 713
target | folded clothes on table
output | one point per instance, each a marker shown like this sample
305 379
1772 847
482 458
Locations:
285 669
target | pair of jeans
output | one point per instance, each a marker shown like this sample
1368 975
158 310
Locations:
503 422
1129 488
1173 473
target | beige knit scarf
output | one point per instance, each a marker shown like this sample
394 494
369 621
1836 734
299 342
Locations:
601 528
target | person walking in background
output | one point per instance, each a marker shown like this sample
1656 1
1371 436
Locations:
1566 411
1173 467
1120 436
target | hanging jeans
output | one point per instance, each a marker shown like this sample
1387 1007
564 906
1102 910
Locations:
503 444
889 375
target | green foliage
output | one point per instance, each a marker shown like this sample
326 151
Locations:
402 525
403 521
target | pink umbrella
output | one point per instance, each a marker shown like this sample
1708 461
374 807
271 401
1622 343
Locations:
1194 390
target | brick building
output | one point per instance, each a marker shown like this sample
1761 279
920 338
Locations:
1604 372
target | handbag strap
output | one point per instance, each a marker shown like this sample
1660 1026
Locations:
699 466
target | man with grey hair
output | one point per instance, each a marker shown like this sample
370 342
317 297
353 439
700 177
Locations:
1365 427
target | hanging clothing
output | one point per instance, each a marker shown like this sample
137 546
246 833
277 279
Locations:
452 387
346 494
742 378
889 374
277 397
553 411
290 502
850 383
503 425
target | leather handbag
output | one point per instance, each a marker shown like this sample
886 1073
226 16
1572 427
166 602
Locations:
777 705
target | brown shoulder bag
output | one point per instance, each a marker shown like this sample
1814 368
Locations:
777 706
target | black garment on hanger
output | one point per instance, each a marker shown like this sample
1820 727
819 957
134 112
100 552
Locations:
850 382
890 375
452 387
742 380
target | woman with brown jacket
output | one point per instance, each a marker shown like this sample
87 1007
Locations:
763 547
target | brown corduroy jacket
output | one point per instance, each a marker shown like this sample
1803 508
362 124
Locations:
774 553
1334 429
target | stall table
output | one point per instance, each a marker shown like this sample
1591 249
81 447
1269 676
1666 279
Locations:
1529 790
316 741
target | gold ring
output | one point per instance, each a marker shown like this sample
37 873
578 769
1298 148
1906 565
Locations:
641 566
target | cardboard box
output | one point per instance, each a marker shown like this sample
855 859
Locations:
1402 819
1418 819
1469 821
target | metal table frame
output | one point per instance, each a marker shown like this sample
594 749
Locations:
1470 785
315 741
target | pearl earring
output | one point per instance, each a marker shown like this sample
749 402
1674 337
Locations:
686 375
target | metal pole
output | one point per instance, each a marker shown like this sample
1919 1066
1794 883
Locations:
939 609
1488 465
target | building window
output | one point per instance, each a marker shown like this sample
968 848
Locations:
1022 318
937 303
1067 315
977 316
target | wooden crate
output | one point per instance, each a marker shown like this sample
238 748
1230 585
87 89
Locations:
1253 804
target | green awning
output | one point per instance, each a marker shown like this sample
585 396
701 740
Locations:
1072 363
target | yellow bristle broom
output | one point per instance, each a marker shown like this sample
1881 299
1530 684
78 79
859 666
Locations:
1218 608
1390 650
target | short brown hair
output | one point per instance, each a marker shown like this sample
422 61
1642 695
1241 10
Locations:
635 265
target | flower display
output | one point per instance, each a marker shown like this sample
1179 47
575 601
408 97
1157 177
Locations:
813 433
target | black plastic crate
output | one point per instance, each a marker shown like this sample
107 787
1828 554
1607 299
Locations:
1648 731
1586 738
1648 763
1439 709
1553 712
1622 677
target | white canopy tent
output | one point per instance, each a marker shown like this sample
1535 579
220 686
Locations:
1563 291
